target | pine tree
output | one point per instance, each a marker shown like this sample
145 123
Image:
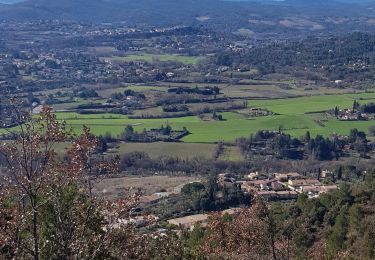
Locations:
337 238
336 111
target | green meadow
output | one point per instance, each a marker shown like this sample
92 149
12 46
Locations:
294 116
310 104
181 150
188 60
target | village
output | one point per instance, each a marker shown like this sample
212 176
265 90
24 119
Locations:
284 186
271 188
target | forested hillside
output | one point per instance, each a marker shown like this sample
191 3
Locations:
345 57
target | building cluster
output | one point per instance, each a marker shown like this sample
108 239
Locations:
281 186
350 115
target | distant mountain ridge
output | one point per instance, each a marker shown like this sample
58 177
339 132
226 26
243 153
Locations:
10 1
259 16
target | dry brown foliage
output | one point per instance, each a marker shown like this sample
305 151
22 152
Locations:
47 209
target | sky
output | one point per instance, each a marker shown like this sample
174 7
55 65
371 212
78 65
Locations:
347 1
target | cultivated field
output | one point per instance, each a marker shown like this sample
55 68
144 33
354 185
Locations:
311 104
188 60
293 116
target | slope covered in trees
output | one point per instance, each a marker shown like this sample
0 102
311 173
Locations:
349 57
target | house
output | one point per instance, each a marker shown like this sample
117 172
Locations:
284 177
277 186
253 176
326 174
259 184
287 195
310 189
170 75
303 182
314 191
328 188
297 184
266 195
256 176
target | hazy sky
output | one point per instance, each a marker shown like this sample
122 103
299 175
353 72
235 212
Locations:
347 1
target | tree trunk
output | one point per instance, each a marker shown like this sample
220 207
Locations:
35 228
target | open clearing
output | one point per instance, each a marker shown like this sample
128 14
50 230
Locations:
181 150
113 188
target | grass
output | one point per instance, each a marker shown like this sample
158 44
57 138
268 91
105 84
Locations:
301 105
180 150
188 60
231 153
274 89
146 88
74 104
234 125
114 188
292 118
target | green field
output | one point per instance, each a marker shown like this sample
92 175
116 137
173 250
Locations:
181 150
234 126
293 106
291 118
189 60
